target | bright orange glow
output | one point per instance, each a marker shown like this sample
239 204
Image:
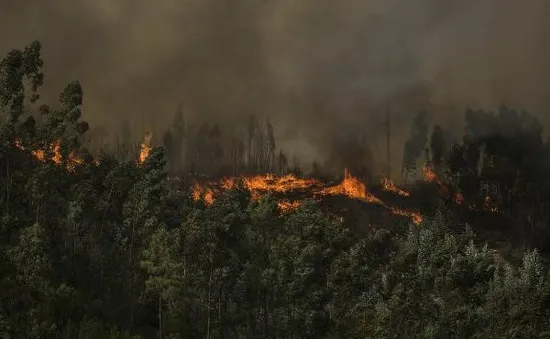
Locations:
352 188
429 174
39 154
282 184
415 216
56 148
389 186
228 183
288 206
203 192
145 148
259 185
74 161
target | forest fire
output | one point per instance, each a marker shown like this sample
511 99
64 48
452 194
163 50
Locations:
203 192
415 216
352 188
429 174
40 154
145 148
282 184
431 177
389 186
259 185
288 206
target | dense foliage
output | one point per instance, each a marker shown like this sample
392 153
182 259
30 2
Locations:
108 249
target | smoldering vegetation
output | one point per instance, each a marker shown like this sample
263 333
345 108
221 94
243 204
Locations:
318 69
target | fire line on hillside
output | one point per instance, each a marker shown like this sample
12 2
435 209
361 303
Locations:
260 185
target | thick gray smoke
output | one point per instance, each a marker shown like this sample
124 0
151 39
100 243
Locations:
317 68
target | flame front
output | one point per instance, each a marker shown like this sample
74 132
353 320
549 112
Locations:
288 206
415 216
352 188
389 186
282 184
259 185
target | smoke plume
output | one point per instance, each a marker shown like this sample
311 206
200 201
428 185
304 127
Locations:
318 69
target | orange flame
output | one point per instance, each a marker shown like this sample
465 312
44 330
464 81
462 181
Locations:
352 188
145 148
288 206
389 186
74 161
259 185
39 154
228 183
429 174
203 192
415 216
56 152
282 184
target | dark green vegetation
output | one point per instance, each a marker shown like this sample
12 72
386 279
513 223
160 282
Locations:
110 250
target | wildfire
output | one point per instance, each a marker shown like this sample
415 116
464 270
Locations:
145 148
203 192
415 216
388 185
55 147
74 161
429 174
259 185
228 183
288 206
352 188
282 184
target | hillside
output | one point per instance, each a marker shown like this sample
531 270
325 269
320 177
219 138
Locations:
99 244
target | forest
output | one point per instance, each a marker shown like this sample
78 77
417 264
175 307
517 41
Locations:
205 233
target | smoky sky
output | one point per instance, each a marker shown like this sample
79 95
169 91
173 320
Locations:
319 69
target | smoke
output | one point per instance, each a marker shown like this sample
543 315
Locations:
318 69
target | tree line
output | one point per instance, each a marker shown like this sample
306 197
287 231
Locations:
107 248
